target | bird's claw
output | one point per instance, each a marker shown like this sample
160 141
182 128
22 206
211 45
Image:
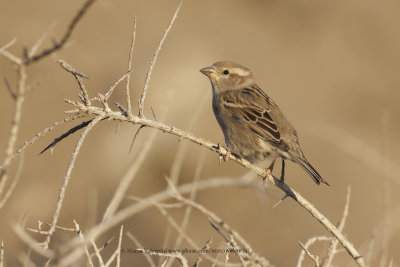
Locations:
224 157
227 155
267 173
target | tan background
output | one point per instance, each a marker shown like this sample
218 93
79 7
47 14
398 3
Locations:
334 63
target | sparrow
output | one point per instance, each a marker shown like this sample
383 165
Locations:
253 125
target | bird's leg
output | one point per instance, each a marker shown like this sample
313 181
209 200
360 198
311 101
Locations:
283 171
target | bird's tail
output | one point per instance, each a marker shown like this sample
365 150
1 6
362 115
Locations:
312 172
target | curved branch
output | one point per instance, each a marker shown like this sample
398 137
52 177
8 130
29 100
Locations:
58 45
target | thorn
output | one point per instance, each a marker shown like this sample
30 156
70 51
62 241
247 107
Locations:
154 115
134 137
280 201
13 95
116 128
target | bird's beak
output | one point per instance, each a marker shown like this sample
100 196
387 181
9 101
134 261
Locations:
209 72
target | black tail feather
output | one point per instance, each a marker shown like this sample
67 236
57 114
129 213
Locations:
312 172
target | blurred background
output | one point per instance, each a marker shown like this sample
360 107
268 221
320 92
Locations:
332 67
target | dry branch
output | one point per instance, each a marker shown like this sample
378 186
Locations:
334 242
139 245
58 45
15 124
66 180
88 257
128 79
306 251
153 61
133 209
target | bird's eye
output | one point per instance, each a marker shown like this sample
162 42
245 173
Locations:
226 72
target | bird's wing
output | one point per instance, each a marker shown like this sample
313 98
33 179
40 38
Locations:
253 107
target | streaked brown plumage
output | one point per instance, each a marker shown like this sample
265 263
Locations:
253 125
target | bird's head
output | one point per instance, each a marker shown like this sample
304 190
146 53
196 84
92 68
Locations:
227 75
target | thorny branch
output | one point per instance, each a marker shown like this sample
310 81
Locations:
19 95
153 61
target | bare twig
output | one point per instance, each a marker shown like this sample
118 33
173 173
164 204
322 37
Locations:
79 232
139 245
40 134
153 62
119 246
97 253
32 244
117 252
67 177
334 241
9 44
128 79
11 57
12 139
67 67
314 258
199 258
111 90
10 157
40 41
78 76
306 247
138 207
14 182
58 45
232 245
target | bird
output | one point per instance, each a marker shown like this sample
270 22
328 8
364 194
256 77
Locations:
253 125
